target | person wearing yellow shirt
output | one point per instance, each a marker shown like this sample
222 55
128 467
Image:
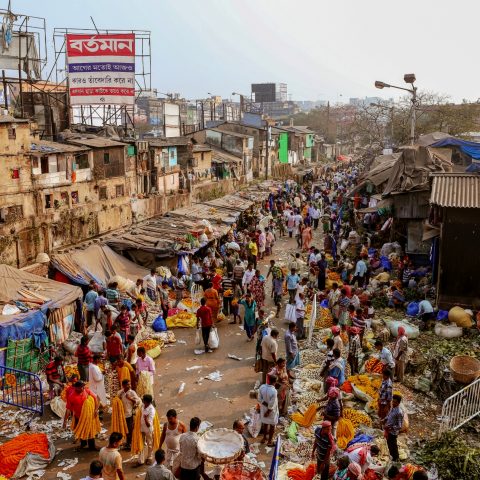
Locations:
253 250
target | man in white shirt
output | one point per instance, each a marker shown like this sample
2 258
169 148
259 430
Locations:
385 356
247 276
146 428
130 401
190 460
151 284
300 311
301 288
269 347
97 380
95 471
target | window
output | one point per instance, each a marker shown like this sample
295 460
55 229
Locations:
102 193
106 158
15 173
201 156
119 190
48 201
12 133
82 161
44 164
75 199
64 198
34 162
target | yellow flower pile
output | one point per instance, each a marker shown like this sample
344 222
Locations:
71 370
367 384
307 419
148 344
324 318
356 417
345 432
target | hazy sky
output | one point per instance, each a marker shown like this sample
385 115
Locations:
321 49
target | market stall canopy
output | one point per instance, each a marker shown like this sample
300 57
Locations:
55 294
96 262
472 149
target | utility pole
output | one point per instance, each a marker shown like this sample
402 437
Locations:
267 139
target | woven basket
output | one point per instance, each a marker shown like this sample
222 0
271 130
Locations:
242 471
464 369
210 440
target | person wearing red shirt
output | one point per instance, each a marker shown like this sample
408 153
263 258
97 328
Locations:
123 320
114 344
75 401
84 357
205 320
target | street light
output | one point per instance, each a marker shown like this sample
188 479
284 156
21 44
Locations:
408 78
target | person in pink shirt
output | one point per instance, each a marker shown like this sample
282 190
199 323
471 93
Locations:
144 363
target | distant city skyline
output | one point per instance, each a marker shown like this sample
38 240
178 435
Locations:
322 51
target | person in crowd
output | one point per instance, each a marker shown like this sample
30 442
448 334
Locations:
393 424
343 304
112 459
164 299
333 409
147 412
354 472
131 402
99 303
190 460
252 249
239 427
196 271
238 274
400 354
342 468
89 301
269 413
354 350
123 321
212 300
249 320
269 346
296 263
131 351
262 244
291 347
397 299
306 237
360 273
94 471
365 456
359 322
136 322
337 338
55 374
159 471
257 289
323 448
425 312
205 322
322 272
151 284
113 295
96 380
283 385
144 363
385 394
179 286
385 355
75 402
228 289
247 277
114 344
84 357
300 314
292 281
171 432
337 367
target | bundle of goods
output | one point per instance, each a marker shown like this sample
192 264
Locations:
242 471
119 422
220 446
460 317
367 384
324 318
374 365
124 284
88 424
144 385
152 346
13 451
345 432
182 319
356 417
71 370
301 474
306 420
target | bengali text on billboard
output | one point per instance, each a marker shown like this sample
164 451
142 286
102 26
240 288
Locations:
101 69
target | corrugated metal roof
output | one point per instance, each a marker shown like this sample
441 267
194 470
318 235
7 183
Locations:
456 190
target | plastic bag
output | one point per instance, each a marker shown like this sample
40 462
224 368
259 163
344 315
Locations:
159 324
198 337
324 303
411 331
448 331
213 340
412 309
442 315
96 343
290 313
255 423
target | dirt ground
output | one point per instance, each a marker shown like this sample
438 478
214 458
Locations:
220 403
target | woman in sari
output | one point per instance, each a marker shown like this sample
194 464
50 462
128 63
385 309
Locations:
249 320
213 301
283 382
257 289
306 237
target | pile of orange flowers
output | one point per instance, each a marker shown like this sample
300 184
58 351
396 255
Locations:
14 450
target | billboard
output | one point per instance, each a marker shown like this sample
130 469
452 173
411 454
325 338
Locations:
101 69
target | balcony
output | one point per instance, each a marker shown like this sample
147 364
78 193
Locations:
56 179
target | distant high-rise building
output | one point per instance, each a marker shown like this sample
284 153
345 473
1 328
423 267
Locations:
269 92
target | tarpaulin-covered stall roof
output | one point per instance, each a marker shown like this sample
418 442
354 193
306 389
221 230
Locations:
96 262
472 149
31 324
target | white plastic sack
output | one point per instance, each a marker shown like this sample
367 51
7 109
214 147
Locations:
411 331
73 341
255 423
58 406
198 337
96 343
213 340
362 396
344 245
290 313
448 331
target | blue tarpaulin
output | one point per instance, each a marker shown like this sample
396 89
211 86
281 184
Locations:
472 149
23 326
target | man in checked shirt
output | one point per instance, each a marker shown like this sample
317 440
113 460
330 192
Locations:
392 425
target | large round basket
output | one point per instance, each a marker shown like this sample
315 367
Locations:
464 369
242 471
220 446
